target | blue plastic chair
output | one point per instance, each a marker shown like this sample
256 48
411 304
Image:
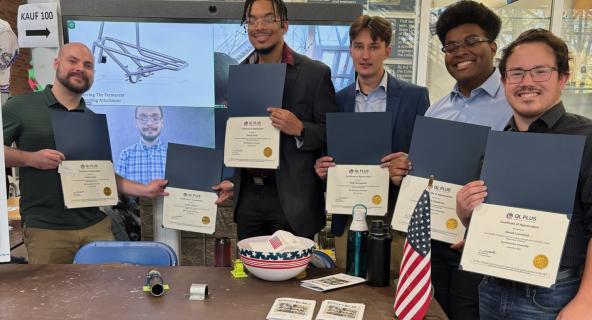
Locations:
148 253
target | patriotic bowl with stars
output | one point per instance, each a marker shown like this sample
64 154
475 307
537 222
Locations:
275 266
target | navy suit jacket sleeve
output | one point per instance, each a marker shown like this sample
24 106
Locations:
423 103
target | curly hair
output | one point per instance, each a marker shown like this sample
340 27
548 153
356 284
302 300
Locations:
279 8
464 12
543 36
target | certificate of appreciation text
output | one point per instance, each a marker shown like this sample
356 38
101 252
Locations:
251 142
515 244
349 185
190 210
88 183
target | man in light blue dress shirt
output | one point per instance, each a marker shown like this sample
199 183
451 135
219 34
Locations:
373 101
467 31
485 105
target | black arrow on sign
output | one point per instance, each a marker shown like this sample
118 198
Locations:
32 33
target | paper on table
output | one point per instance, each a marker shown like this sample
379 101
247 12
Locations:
291 309
337 310
331 282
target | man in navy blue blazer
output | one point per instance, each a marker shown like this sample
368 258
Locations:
375 90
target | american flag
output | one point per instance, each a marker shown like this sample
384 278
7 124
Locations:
414 289
275 242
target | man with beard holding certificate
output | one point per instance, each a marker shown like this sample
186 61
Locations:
52 233
535 69
291 197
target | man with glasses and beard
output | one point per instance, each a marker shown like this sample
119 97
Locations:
145 160
291 197
535 71
52 233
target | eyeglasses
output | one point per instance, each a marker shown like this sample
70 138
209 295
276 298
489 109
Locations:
265 21
470 42
145 119
537 74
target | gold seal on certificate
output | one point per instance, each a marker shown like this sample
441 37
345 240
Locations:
451 224
251 143
190 210
515 244
444 222
88 183
540 261
348 185
376 199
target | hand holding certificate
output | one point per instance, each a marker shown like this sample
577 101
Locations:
357 142
519 233
452 152
191 172
87 175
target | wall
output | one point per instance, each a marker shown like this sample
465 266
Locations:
19 73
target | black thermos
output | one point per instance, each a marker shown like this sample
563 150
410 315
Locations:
379 255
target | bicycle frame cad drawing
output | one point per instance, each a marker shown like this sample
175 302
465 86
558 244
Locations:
146 61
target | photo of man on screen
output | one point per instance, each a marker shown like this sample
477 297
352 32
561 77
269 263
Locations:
145 160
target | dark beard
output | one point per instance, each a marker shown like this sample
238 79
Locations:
149 139
265 51
68 85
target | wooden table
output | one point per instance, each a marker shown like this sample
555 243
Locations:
114 292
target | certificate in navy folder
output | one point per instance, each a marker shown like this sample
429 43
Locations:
451 151
193 168
252 88
359 137
81 135
532 170
519 232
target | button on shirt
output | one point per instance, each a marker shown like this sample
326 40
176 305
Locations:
487 105
375 101
142 163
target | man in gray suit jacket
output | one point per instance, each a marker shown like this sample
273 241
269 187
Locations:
291 197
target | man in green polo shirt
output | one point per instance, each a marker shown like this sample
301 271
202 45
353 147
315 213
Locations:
53 233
